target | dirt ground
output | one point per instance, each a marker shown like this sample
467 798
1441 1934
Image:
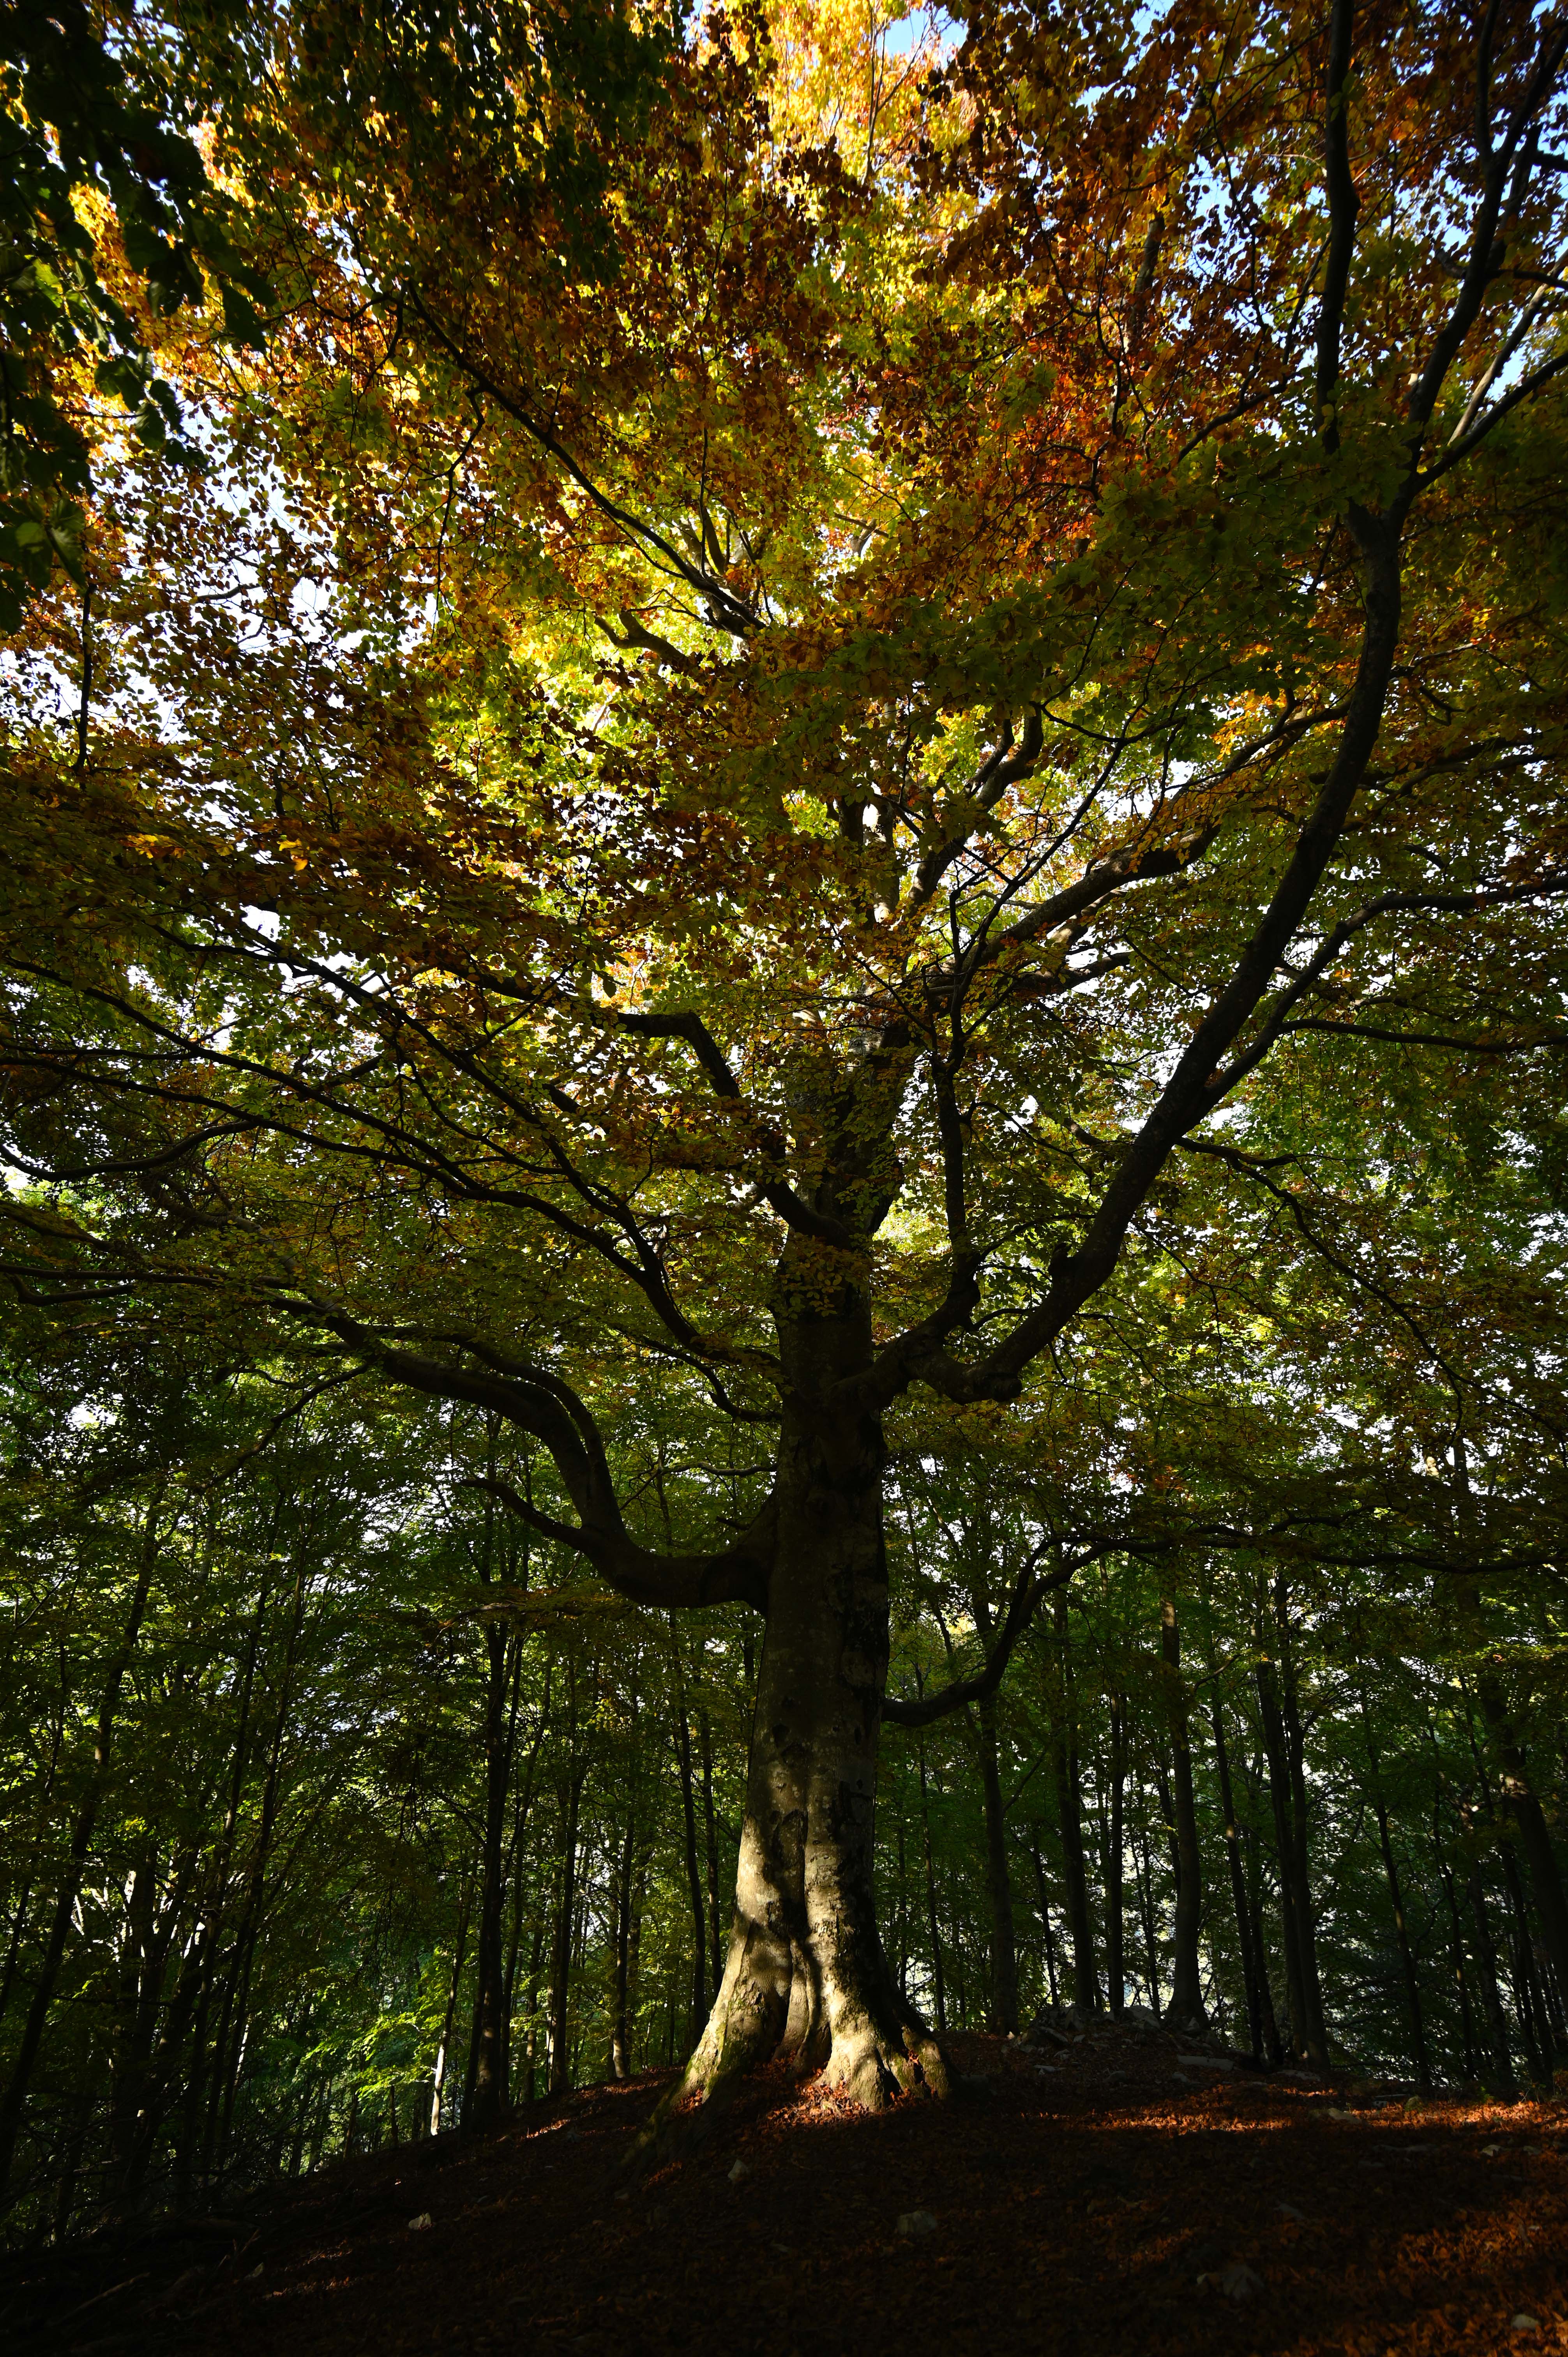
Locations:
1117 2194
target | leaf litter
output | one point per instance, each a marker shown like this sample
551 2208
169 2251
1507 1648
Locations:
1107 2209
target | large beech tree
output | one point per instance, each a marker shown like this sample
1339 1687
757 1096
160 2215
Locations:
889 634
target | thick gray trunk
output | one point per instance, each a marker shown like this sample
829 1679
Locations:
805 1977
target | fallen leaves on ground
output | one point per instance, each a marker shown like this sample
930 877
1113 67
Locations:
1093 2200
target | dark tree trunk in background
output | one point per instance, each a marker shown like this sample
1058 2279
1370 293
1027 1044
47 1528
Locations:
1525 1977
444 2051
531 2007
1396 1902
1295 1754
485 2091
565 1926
14 2101
1502 2080
484 2084
939 1989
1075 1876
1523 1805
1238 1881
1146 1915
1457 1964
999 1883
701 1997
1048 1936
620 2036
1115 1879
710 1828
1187 1995
1308 2040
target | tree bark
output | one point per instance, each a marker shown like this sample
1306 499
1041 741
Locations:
1295 1754
485 2091
711 1838
1503 2081
1075 1876
1187 1994
702 1995
1523 1805
444 2050
1396 1900
938 1986
1237 1880
14 2101
565 1925
1308 2040
806 1979
1115 1878
1003 1950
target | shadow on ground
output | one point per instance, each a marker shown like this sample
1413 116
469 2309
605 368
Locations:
1112 2195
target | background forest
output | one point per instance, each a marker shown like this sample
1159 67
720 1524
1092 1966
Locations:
359 1780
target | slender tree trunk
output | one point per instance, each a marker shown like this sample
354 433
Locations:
1285 1854
1396 1902
701 1995
938 1987
1461 1978
1187 1995
531 2007
444 2051
709 1825
484 2091
14 2101
1526 1980
1146 1874
1237 1880
1115 1876
1295 1753
565 1926
620 2041
1003 1951
1503 2080
1523 1805
1048 1936
1075 1874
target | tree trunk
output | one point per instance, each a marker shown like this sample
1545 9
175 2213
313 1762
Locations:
620 2039
806 1979
711 1835
1115 1879
1295 1753
1306 2041
1187 1994
938 1987
444 2050
1048 1936
15 2095
1401 1933
1075 1877
1523 1805
565 1925
701 1995
1003 1951
1237 1879
1144 1869
485 2091
1503 2082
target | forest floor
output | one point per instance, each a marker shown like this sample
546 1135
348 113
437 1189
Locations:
1118 2194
